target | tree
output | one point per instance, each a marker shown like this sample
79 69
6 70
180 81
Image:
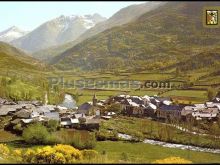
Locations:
114 108
36 134
211 93
215 130
76 97
52 125
4 82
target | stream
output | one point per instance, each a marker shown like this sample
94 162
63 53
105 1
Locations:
171 145
68 102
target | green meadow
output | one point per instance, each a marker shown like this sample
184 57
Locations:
124 152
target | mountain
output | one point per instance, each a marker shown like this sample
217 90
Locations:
160 39
11 34
57 31
15 60
121 17
21 76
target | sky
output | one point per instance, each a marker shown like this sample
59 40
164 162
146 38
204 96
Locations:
29 15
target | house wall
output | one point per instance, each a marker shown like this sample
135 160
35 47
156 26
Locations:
133 111
150 113
168 114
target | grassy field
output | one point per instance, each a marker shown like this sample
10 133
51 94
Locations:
124 152
150 76
6 136
146 153
193 95
187 96
102 93
146 128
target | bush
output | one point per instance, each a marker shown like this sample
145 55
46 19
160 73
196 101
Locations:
80 143
211 93
4 121
4 150
82 120
89 154
124 156
58 154
28 156
114 108
52 125
18 128
175 160
103 135
80 140
138 137
51 140
36 134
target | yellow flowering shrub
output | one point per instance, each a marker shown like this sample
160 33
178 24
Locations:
4 150
172 160
69 152
17 155
28 156
58 154
17 152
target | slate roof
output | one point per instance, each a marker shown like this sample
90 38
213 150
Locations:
85 107
171 108
151 106
52 116
23 114
35 102
16 121
5 109
42 109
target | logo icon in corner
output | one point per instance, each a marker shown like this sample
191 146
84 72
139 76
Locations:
211 17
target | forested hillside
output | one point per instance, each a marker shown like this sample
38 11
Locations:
169 36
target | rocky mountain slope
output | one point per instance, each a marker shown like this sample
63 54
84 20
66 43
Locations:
121 17
57 31
11 34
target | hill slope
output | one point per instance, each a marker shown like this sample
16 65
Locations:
164 37
13 59
21 76
121 17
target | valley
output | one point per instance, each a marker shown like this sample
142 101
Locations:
123 89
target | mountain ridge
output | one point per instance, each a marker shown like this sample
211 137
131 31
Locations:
56 31
162 37
11 34
16 60
121 17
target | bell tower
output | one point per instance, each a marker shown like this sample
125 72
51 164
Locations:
94 100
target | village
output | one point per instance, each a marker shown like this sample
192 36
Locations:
89 115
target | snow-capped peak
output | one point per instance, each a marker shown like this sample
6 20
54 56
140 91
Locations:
88 21
11 34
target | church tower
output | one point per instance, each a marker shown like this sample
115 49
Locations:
94 100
